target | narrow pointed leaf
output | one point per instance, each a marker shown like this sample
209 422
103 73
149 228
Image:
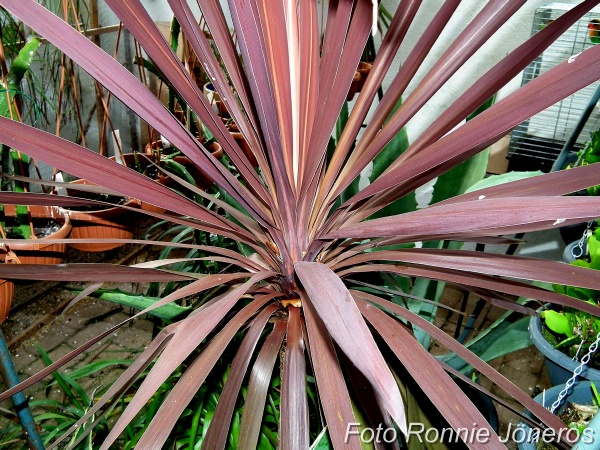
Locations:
185 389
218 431
258 386
293 427
490 216
333 391
339 313
452 403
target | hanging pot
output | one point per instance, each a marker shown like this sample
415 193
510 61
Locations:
559 366
581 393
109 223
35 251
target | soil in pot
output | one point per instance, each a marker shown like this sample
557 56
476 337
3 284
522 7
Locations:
577 407
108 223
559 366
42 227
52 223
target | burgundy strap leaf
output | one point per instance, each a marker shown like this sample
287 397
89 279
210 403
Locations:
118 388
185 389
333 391
247 21
293 423
398 28
258 386
277 29
309 77
498 76
332 96
129 90
489 126
153 347
85 272
217 24
218 430
493 15
334 305
549 184
96 168
490 216
481 281
230 229
190 332
140 24
487 263
393 93
481 366
443 392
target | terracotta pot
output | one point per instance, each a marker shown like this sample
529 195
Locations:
215 149
354 86
364 68
7 288
35 251
241 141
203 181
144 160
110 223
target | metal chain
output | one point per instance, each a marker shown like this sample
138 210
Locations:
571 381
580 245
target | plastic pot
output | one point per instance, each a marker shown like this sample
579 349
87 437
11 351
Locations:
110 223
35 251
354 86
580 393
144 160
7 288
241 141
559 366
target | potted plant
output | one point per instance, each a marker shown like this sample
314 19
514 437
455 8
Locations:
564 335
577 410
99 221
303 233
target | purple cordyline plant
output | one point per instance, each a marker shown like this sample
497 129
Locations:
285 85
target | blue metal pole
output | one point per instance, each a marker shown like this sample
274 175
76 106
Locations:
9 373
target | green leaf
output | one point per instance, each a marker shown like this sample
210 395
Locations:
96 366
496 180
17 71
382 161
322 441
169 311
558 322
459 179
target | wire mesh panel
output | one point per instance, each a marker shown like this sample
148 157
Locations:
536 143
